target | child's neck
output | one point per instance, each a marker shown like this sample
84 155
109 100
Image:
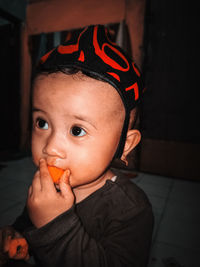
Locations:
84 191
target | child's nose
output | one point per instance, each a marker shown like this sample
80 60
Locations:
54 146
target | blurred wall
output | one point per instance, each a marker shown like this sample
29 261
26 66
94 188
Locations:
171 132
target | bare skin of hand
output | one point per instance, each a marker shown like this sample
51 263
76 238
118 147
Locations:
44 202
12 245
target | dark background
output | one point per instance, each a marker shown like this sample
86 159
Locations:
171 108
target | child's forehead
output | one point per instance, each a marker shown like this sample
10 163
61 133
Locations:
80 85
79 79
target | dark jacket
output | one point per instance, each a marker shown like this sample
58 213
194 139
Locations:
112 227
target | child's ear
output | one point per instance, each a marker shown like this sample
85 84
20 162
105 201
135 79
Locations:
132 139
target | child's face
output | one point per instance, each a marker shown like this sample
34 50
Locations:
77 123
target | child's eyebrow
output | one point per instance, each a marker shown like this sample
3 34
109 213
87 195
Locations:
85 119
37 110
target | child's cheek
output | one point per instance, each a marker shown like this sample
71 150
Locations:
36 153
35 161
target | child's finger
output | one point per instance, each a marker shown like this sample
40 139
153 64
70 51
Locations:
36 184
65 187
7 234
7 243
45 178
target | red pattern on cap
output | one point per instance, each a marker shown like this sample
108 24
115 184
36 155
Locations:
101 53
68 49
135 88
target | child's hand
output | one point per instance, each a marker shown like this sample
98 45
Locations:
44 203
12 245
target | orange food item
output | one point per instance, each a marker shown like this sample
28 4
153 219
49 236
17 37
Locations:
18 248
55 173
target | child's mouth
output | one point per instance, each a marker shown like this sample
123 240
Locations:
55 173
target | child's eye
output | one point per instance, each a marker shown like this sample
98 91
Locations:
77 131
42 124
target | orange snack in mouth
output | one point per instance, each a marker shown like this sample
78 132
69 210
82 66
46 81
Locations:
55 173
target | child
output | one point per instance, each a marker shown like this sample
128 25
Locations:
84 104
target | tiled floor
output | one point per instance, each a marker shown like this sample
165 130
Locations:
176 237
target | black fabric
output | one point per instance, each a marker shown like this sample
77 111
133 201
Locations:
93 52
122 140
112 227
